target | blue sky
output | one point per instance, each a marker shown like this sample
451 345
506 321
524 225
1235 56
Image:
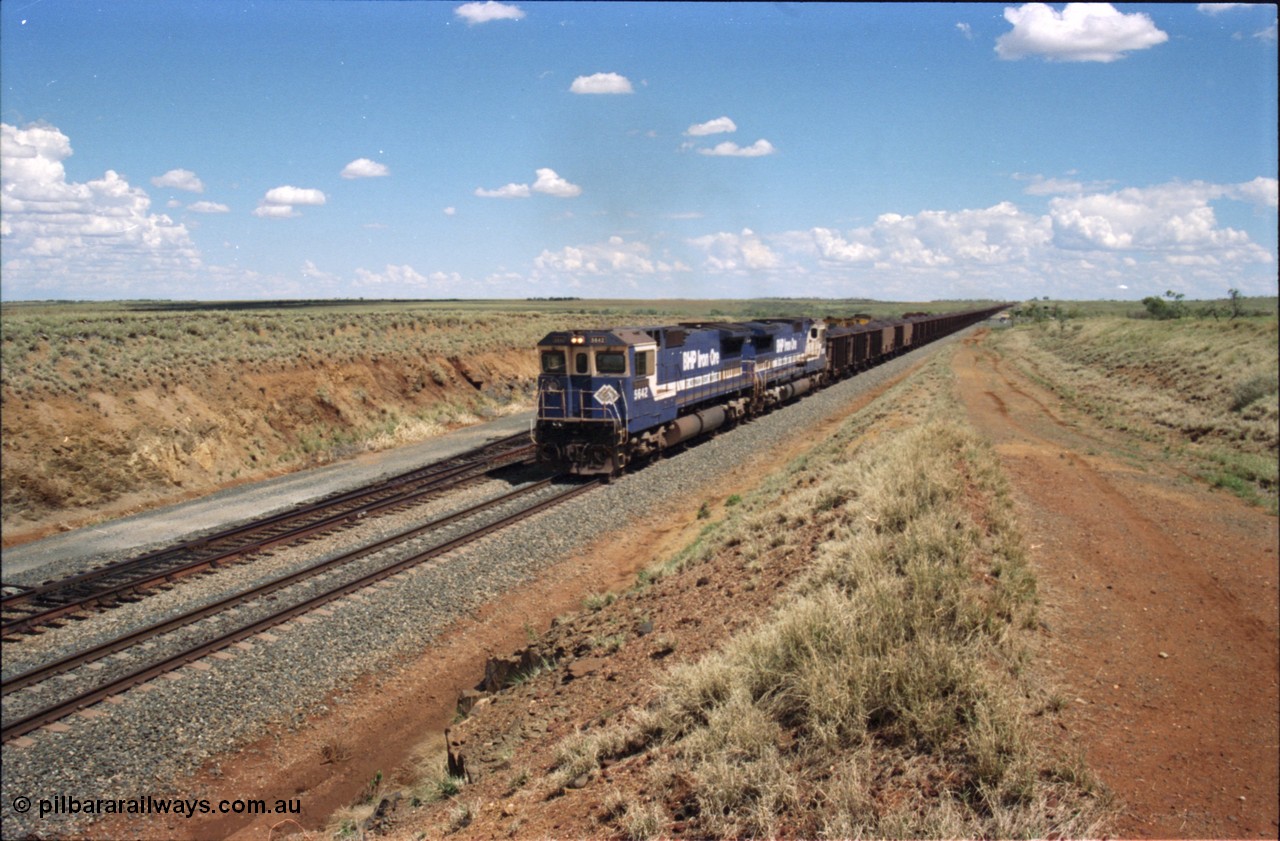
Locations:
231 150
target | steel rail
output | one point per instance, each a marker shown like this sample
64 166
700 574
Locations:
109 647
441 478
430 472
141 675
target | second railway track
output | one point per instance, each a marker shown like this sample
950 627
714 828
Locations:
32 607
30 716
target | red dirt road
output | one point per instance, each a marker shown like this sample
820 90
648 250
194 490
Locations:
1160 601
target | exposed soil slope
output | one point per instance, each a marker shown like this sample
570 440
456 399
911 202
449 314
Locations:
1161 599
74 459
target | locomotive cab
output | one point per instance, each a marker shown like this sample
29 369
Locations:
592 387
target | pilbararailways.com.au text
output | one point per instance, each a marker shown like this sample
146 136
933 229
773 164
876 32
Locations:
62 804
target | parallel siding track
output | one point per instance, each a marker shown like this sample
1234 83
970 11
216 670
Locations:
85 698
25 611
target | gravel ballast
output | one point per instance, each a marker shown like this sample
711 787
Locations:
144 740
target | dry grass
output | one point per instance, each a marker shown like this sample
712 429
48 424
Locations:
1206 390
886 695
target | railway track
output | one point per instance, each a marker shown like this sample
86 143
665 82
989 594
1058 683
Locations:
81 698
30 608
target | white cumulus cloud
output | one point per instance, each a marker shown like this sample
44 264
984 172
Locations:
294 195
729 252
365 168
1080 32
548 183
1174 219
93 239
605 83
729 149
1000 234
179 179
275 211
720 125
281 202
208 207
510 191
1261 191
488 11
553 185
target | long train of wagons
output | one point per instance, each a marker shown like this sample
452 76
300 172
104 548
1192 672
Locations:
609 397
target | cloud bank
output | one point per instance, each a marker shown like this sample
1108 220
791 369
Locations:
96 237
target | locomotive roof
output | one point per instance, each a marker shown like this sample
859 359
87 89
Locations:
610 336
674 333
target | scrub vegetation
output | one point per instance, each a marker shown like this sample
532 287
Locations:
1204 389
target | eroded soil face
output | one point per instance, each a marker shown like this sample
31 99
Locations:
1160 598
73 460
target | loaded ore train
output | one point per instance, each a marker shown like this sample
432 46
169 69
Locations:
609 397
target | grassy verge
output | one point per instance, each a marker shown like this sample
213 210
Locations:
887 695
1204 390
70 348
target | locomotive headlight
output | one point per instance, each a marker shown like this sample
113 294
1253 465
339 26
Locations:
577 340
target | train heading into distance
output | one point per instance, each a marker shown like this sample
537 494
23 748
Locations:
609 397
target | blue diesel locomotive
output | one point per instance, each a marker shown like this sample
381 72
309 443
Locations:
606 397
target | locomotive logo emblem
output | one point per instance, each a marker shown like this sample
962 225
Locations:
606 395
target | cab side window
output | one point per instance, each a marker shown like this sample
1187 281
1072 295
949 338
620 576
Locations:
611 362
644 363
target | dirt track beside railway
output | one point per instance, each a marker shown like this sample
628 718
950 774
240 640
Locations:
1160 600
